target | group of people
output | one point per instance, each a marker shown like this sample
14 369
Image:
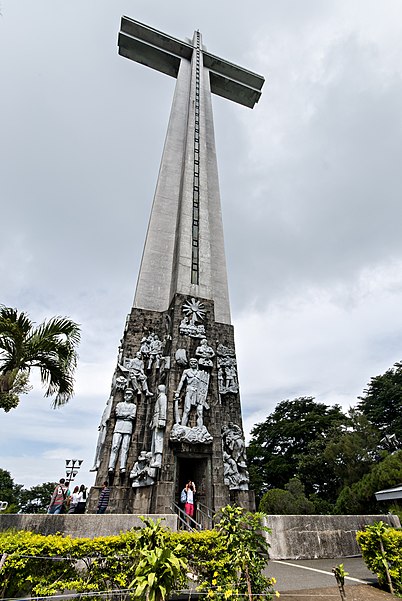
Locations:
63 501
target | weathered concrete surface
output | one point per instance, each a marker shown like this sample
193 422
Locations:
86 525
319 536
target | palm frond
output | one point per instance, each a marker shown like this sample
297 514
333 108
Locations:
51 346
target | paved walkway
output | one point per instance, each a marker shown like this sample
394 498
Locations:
294 575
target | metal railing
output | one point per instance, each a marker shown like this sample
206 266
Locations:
204 518
185 521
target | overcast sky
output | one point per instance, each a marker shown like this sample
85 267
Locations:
311 186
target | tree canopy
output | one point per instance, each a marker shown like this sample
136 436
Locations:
381 402
9 491
51 347
288 435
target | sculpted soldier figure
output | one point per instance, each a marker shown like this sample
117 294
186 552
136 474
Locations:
155 350
102 434
142 473
158 425
136 373
125 415
196 382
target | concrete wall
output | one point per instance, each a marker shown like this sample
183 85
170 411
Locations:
86 525
293 536
319 536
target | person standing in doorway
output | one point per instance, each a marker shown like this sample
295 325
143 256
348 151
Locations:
189 503
103 498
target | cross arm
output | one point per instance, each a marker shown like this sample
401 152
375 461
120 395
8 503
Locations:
233 82
151 47
162 52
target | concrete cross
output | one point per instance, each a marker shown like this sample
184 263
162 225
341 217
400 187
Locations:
184 249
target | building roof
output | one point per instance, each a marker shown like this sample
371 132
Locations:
389 493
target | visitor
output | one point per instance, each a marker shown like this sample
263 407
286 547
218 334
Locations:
188 493
58 501
104 496
82 499
74 500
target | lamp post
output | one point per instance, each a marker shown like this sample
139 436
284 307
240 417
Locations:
72 467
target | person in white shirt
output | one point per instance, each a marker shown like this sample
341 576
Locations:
189 504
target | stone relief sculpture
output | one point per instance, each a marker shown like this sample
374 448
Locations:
195 381
205 353
227 370
144 348
121 383
125 412
155 350
134 370
181 356
102 434
142 473
158 425
234 457
193 312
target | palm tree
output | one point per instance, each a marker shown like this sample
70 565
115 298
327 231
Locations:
50 346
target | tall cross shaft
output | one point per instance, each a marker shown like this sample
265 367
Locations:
184 248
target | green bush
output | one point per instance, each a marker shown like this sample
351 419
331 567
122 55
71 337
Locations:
381 547
291 501
150 561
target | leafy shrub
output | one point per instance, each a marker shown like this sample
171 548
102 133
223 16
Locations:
381 547
151 561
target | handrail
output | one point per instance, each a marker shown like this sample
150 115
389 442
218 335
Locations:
207 513
185 519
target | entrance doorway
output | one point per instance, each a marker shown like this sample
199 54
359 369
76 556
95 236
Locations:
197 469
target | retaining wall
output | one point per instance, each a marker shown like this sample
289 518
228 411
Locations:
319 536
293 536
77 525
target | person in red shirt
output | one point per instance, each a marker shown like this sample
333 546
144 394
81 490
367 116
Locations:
58 500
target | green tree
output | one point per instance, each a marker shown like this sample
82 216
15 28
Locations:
280 443
50 346
36 499
9 491
346 454
291 501
381 402
360 496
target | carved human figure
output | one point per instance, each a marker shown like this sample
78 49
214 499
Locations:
102 434
231 376
144 348
142 473
136 373
155 350
184 325
158 425
125 415
230 471
234 457
196 382
121 383
235 442
205 353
